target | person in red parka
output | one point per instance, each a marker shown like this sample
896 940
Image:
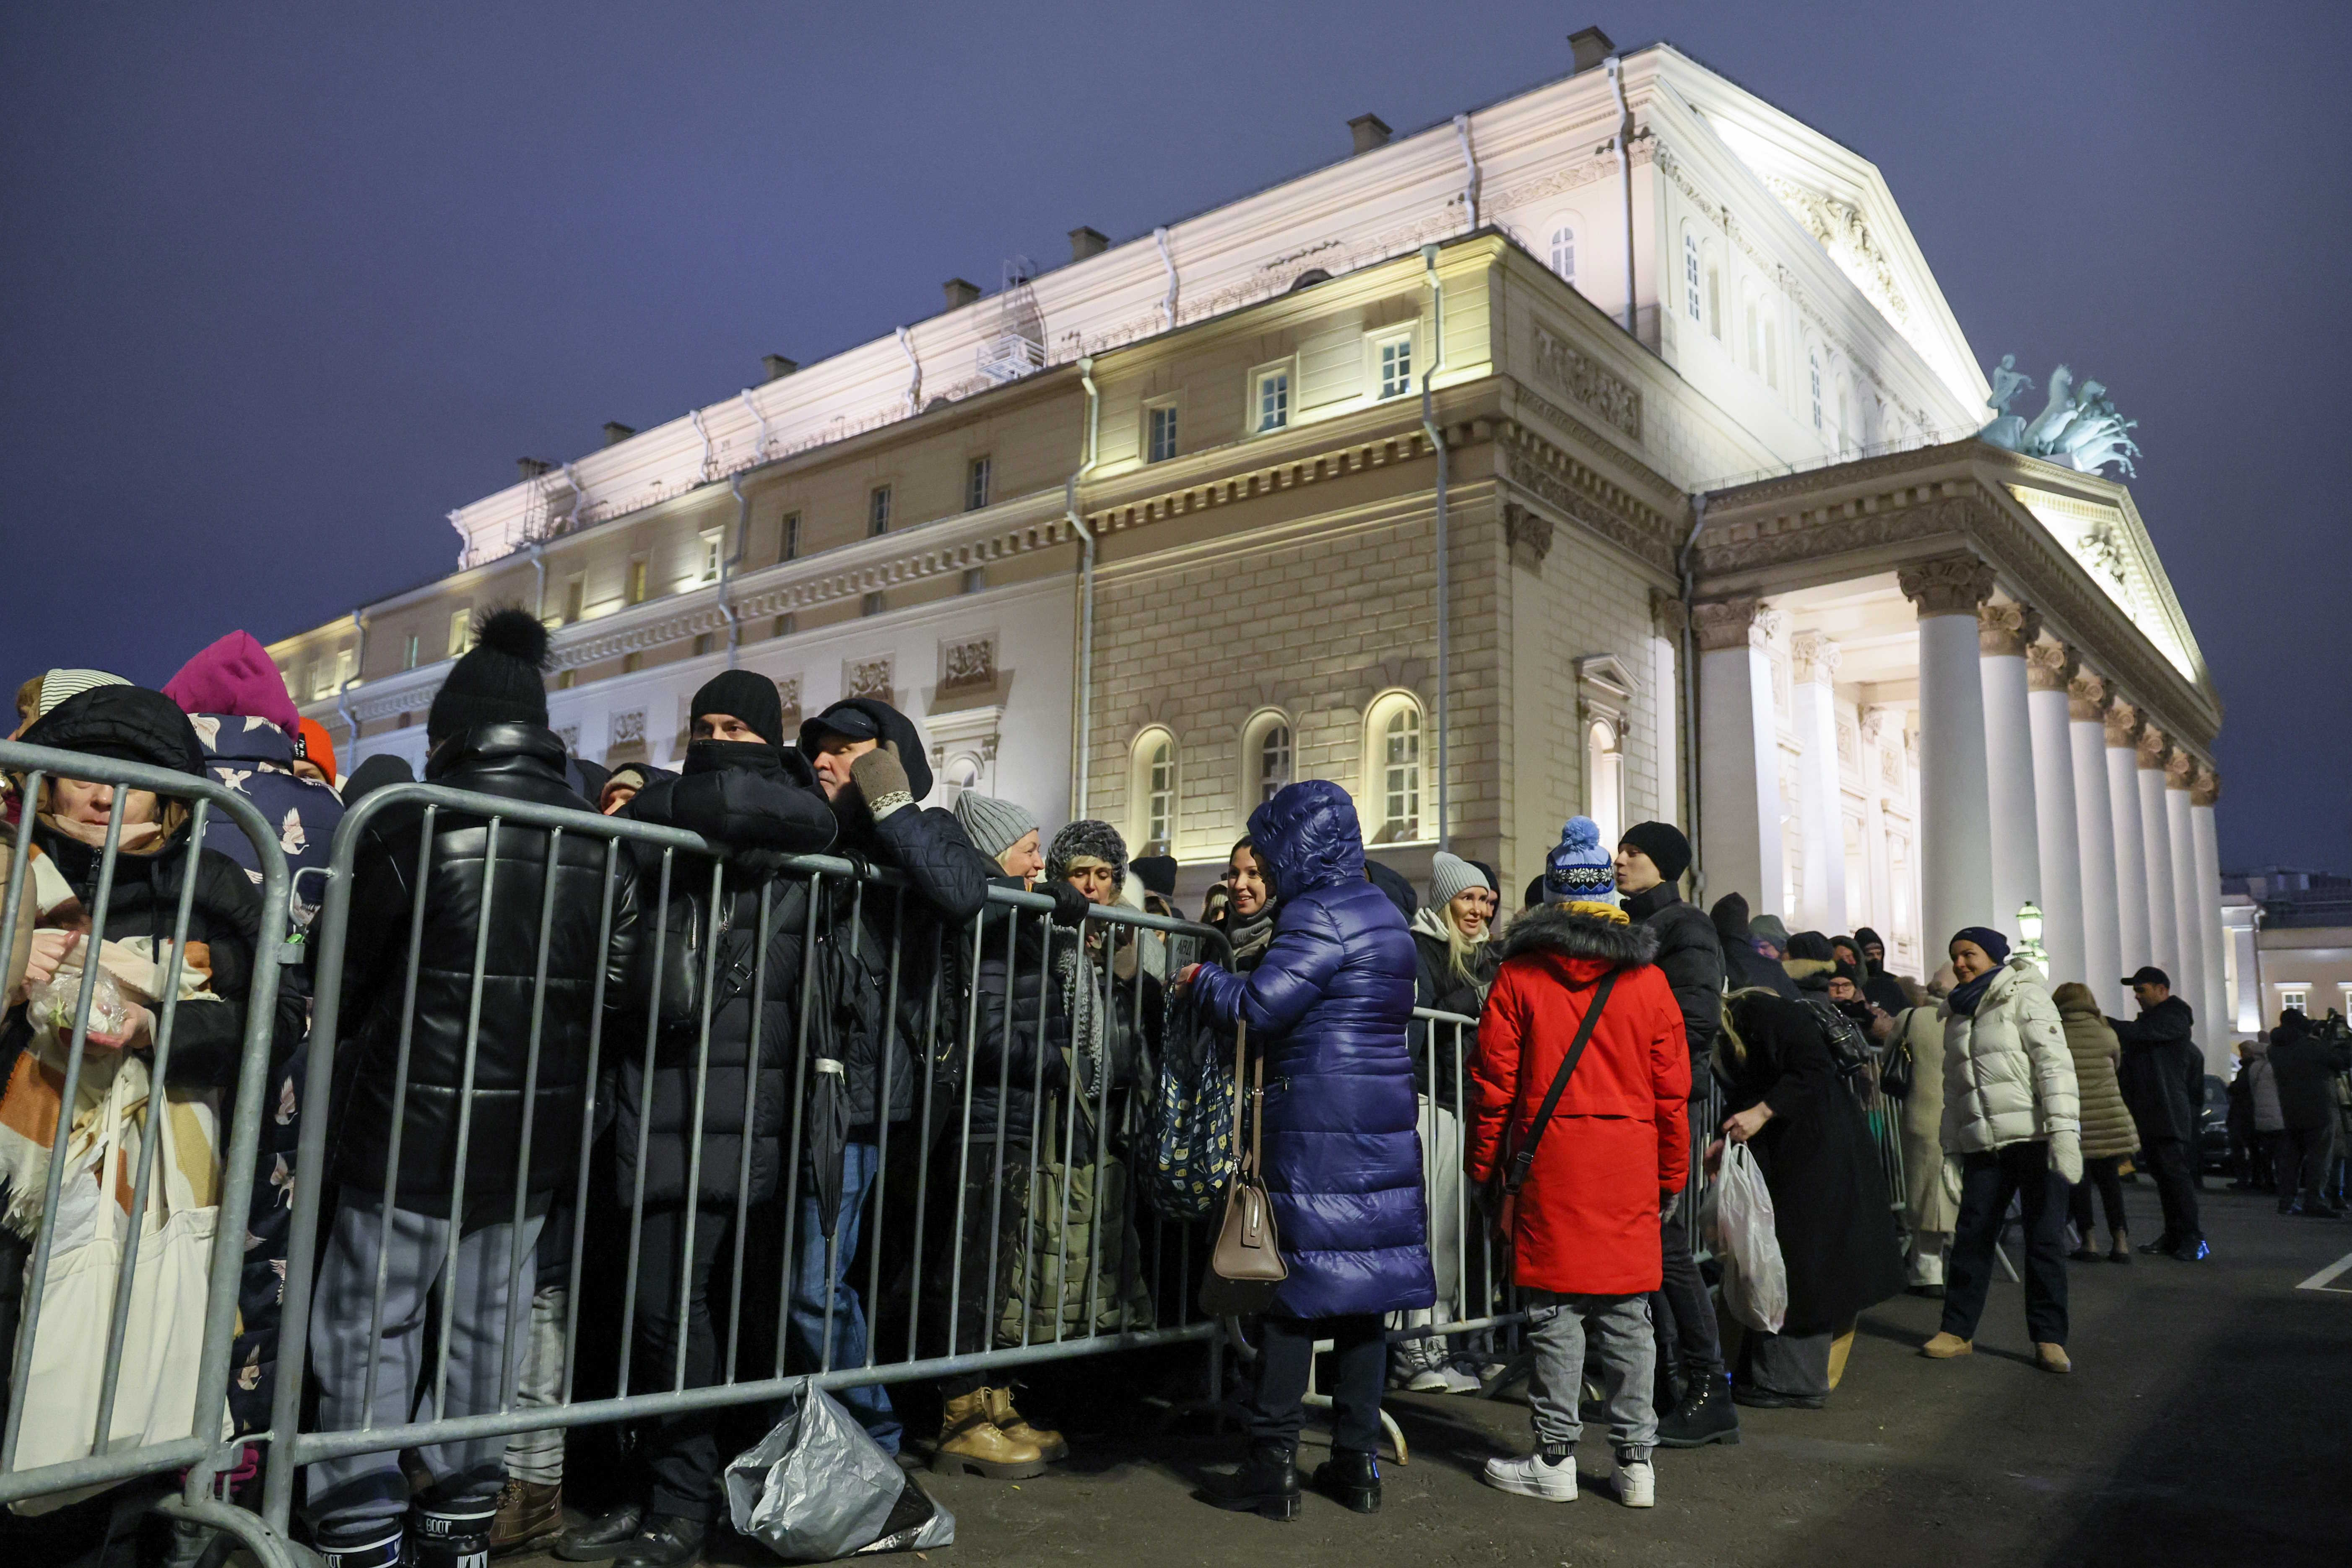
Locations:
1584 1239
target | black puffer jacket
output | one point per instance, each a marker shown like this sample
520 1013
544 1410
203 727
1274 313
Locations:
749 797
2305 1063
2162 1072
137 725
1692 958
519 761
1033 1055
948 881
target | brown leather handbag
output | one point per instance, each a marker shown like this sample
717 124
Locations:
1246 1264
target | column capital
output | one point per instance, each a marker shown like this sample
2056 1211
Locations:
1730 622
2048 665
1668 613
1813 657
2123 722
2207 789
1946 585
2153 744
2003 630
2180 768
2086 695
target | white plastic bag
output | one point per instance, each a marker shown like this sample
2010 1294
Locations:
817 1488
1755 1279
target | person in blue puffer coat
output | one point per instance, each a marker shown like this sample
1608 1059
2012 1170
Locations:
1327 1006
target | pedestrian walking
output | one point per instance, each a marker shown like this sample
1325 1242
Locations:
2012 1118
1581 1023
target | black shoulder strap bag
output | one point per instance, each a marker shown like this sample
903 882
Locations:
1511 1168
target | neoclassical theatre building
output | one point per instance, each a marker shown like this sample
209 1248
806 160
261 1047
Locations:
1609 450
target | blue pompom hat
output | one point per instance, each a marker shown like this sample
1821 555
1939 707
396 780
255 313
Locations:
1580 871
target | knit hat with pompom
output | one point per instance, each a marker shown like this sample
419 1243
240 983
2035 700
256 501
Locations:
499 681
1578 871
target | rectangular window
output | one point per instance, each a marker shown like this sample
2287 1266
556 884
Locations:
347 666
1396 367
877 513
408 657
1271 399
2298 1000
576 594
461 631
975 485
634 594
788 547
1161 441
714 543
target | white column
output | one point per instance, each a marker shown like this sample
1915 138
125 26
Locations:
2094 838
1739 772
2002 632
2202 793
2047 664
2188 929
1814 693
2155 842
2131 848
1954 805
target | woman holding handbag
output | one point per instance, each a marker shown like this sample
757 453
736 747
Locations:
1327 1006
1578 1134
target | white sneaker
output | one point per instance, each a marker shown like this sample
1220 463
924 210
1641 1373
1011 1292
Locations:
1454 1380
1637 1485
1430 1380
1532 1476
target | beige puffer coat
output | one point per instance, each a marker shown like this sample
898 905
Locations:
1929 1205
2008 1075
2107 1127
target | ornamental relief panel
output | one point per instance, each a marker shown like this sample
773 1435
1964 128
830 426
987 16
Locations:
1585 380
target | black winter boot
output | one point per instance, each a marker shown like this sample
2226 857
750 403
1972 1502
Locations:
669 1540
374 1547
1267 1484
1351 1479
602 1536
1706 1416
446 1533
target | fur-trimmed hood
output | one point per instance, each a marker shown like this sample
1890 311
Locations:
1553 928
1811 974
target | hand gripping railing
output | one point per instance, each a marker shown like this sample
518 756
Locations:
981 1010
202 1452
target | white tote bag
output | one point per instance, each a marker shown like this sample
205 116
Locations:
162 1338
1755 1277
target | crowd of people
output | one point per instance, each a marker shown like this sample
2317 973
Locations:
1614 1042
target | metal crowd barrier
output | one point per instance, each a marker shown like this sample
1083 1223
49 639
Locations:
1120 966
203 1452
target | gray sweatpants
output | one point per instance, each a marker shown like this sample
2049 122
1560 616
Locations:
1628 1358
538 1457
366 1490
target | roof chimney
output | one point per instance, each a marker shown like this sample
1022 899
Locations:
959 291
616 432
1371 131
531 467
1086 242
778 366
1591 45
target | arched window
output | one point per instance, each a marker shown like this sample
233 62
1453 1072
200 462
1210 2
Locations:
1715 303
1604 778
1392 734
1813 368
1151 818
1690 274
962 772
1273 761
1563 253
1771 354
1269 754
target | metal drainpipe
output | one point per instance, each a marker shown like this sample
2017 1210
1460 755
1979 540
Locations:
1625 166
727 564
1444 617
539 564
1082 721
1168 304
343 691
1690 699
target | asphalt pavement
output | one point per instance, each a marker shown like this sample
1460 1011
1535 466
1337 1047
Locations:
2207 1420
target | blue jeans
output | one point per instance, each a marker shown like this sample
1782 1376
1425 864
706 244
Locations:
813 1271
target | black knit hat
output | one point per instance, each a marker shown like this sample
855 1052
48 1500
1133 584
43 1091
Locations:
128 723
498 681
748 697
1664 843
1159 874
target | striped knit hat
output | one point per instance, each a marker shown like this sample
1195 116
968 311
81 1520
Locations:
57 685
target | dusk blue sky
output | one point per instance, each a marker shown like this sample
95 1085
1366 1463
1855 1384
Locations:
282 285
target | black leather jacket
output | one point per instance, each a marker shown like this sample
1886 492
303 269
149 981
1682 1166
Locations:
520 761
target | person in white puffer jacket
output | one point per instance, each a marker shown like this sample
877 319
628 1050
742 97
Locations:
2013 1120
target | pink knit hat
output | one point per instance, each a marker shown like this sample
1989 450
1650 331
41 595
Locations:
235 676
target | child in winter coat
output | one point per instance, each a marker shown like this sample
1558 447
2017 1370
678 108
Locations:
1584 1237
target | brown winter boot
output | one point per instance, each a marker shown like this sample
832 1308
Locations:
528 1512
1018 1427
1944 1346
973 1445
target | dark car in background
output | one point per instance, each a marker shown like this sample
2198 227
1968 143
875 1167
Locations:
2213 1127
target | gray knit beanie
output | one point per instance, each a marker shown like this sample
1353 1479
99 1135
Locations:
1091 839
1449 875
994 825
